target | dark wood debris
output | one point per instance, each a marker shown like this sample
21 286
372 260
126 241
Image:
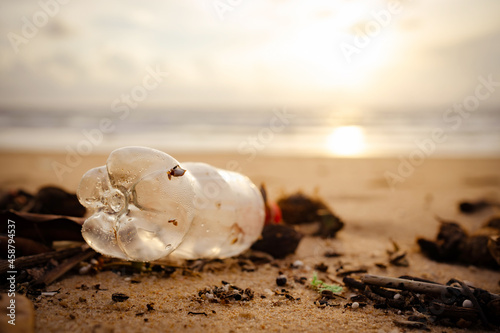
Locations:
300 209
494 223
321 267
472 207
278 240
48 200
225 294
43 228
197 313
397 257
453 244
429 302
119 297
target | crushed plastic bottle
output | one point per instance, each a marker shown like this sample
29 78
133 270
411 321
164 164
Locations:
145 205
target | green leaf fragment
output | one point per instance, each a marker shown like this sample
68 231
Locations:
320 285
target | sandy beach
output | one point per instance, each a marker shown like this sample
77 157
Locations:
357 190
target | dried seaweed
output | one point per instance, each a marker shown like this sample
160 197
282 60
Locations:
43 228
278 240
453 244
300 209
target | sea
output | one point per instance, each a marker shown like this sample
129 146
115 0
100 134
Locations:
278 130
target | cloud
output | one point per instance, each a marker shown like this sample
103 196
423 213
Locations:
263 52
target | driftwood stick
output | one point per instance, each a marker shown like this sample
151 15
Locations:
65 266
39 259
415 286
353 283
402 284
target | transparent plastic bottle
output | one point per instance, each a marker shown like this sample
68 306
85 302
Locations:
145 205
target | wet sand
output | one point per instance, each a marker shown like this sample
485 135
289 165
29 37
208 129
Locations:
356 189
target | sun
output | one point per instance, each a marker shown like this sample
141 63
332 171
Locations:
346 141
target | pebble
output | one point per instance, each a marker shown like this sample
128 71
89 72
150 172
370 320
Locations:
467 304
355 305
85 269
397 296
281 280
298 263
268 291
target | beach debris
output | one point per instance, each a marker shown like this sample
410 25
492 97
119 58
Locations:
119 297
38 271
226 294
48 200
299 209
24 247
321 267
411 324
257 257
176 171
41 259
58 271
297 264
472 207
273 211
284 293
453 244
397 257
14 199
56 201
332 254
198 313
213 213
43 228
281 280
455 303
326 297
278 240
467 303
346 271
247 265
494 223
320 286
323 301
52 275
494 247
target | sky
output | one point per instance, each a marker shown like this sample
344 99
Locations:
355 54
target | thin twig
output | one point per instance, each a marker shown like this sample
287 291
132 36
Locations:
402 284
40 259
62 268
